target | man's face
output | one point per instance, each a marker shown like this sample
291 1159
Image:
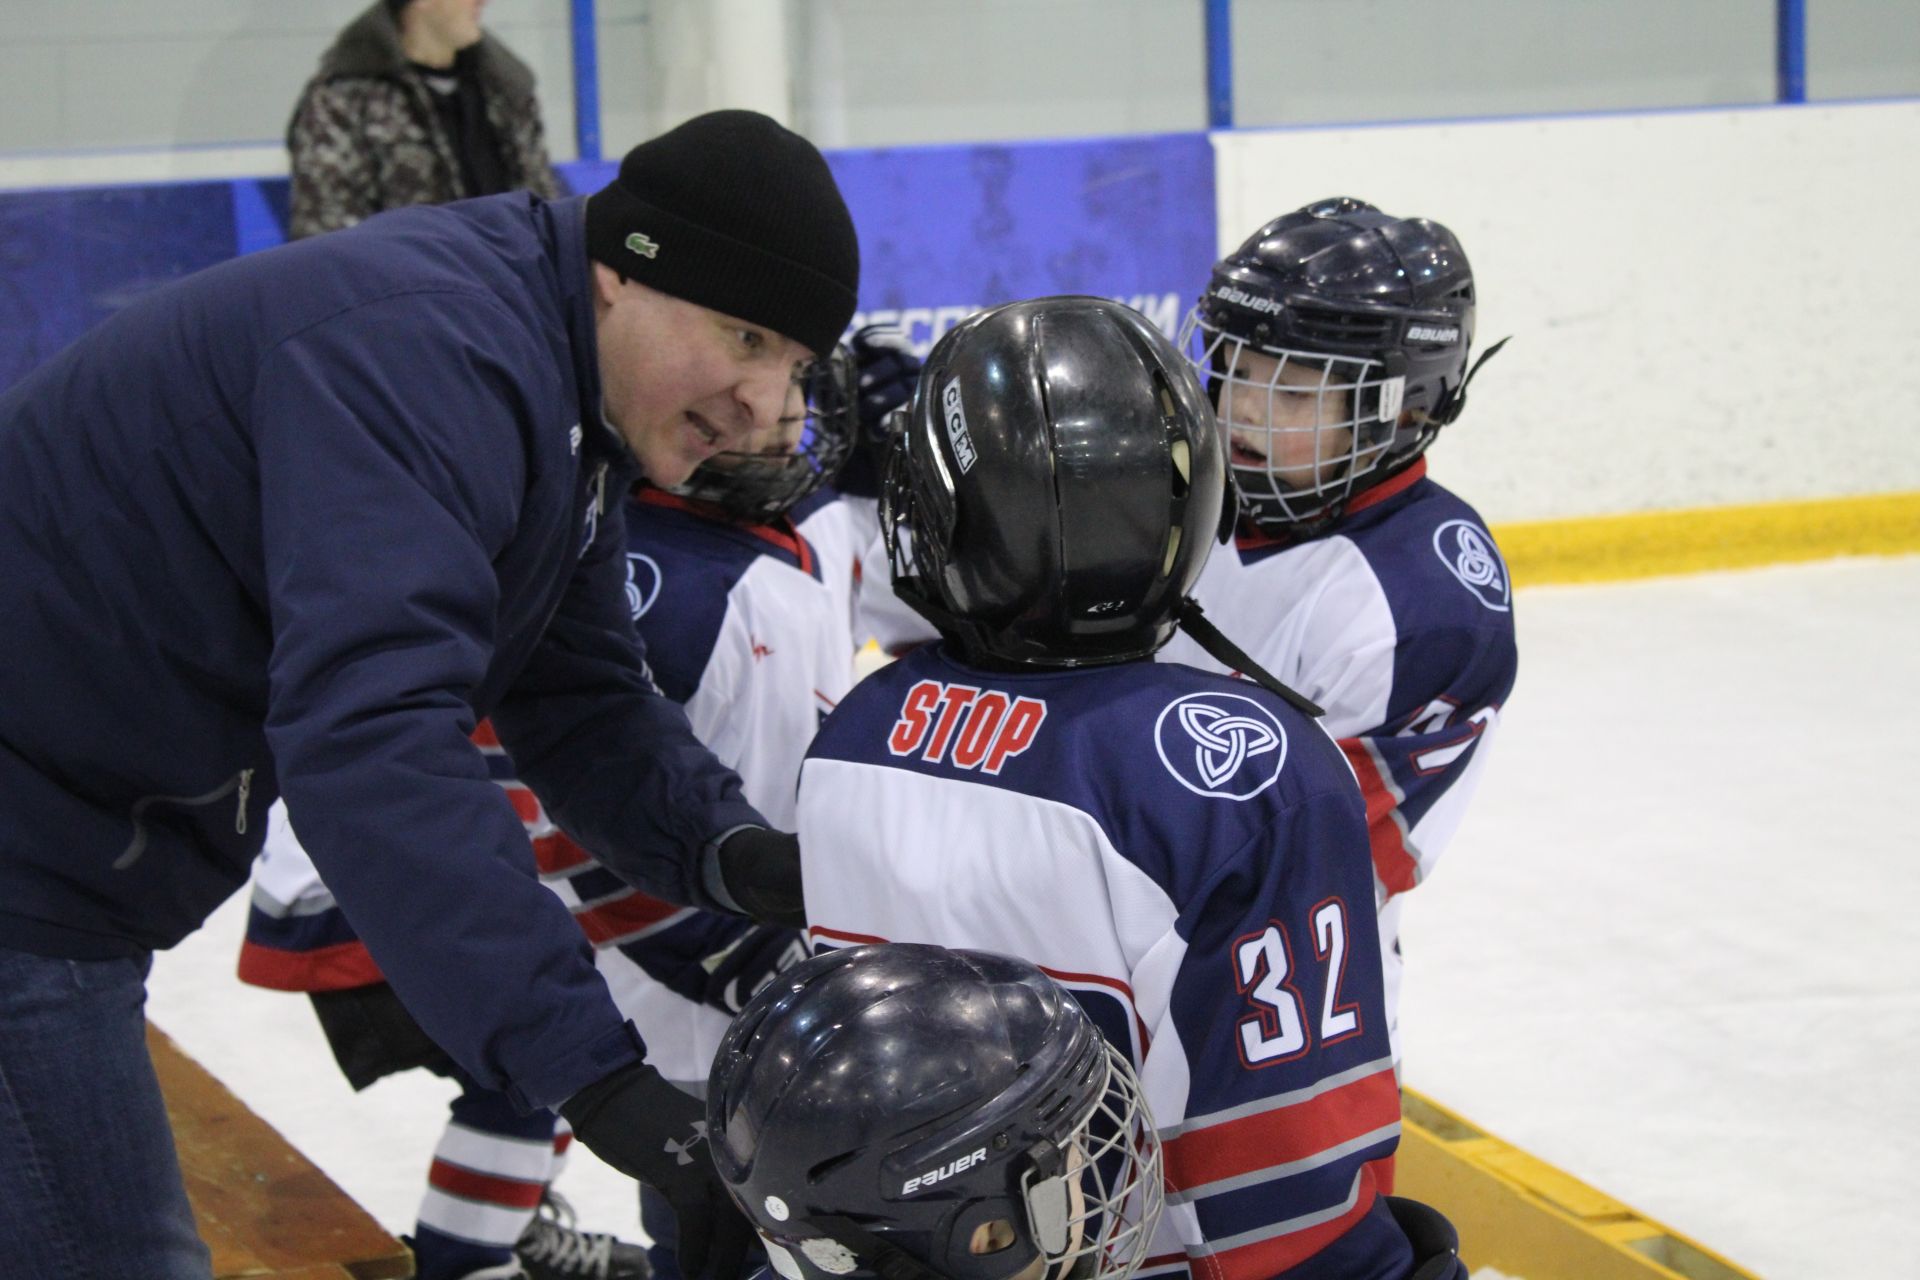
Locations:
681 383
455 23
1278 416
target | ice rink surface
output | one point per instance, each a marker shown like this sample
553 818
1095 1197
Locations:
1671 951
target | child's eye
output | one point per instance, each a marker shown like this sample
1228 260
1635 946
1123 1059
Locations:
752 339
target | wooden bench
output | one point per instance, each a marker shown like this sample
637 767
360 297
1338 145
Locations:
263 1208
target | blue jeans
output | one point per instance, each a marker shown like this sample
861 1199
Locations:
89 1181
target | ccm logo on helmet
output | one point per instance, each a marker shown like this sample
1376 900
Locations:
1227 293
945 1171
957 436
967 727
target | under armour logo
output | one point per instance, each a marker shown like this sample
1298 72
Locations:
1221 744
641 245
683 1151
1469 554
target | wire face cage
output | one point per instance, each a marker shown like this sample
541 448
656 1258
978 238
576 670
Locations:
1303 428
814 439
1095 1218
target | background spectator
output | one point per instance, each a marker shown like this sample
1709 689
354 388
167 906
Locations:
413 104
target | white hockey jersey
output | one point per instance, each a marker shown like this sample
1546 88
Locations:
1188 855
748 626
1399 623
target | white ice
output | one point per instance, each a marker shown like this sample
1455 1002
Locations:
1670 951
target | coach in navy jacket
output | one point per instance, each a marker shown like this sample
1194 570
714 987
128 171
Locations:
288 527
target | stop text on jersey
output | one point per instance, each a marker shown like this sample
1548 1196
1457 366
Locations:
965 726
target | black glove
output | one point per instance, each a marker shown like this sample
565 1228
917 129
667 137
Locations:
736 973
647 1129
760 870
886 372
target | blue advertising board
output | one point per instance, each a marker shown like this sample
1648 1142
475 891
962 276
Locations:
944 231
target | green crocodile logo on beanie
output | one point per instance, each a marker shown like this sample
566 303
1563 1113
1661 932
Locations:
642 246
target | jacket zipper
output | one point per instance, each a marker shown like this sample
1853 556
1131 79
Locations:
241 782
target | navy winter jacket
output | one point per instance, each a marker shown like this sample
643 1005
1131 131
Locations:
289 526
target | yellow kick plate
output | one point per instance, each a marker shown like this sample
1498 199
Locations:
1522 1218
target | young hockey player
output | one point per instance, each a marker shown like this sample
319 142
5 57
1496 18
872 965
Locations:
1015 1133
746 620
1334 342
1187 853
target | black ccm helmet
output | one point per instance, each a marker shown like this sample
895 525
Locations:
1370 317
917 1113
757 487
1056 486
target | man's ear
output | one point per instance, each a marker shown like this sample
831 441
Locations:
606 283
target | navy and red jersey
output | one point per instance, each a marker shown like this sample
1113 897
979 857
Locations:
749 627
1399 623
1188 855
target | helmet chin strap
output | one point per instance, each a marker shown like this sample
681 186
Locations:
1458 400
1193 621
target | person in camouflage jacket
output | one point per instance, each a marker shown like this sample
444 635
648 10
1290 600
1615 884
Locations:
366 135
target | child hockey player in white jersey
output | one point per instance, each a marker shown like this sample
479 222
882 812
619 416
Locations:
740 582
1185 852
1334 342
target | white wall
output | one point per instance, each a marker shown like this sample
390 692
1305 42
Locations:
89 75
1708 307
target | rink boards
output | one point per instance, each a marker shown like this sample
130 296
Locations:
1522 1219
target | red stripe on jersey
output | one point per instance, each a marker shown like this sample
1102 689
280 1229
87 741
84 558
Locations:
562 1139
1250 538
626 914
1267 1258
484 736
841 936
785 535
1387 488
1283 1134
334 968
1394 866
555 853
1383 1171
526 805
509 1193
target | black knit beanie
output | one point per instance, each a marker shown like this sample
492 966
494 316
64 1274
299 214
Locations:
737 214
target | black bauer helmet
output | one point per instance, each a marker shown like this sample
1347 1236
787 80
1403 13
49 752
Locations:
1056 485
912 1112
757 487
1341 333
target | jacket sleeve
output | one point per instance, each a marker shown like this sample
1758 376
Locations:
613 759
390 451
333 180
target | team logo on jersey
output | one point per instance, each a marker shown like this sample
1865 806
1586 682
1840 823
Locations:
1221 744
643 583
1469 554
